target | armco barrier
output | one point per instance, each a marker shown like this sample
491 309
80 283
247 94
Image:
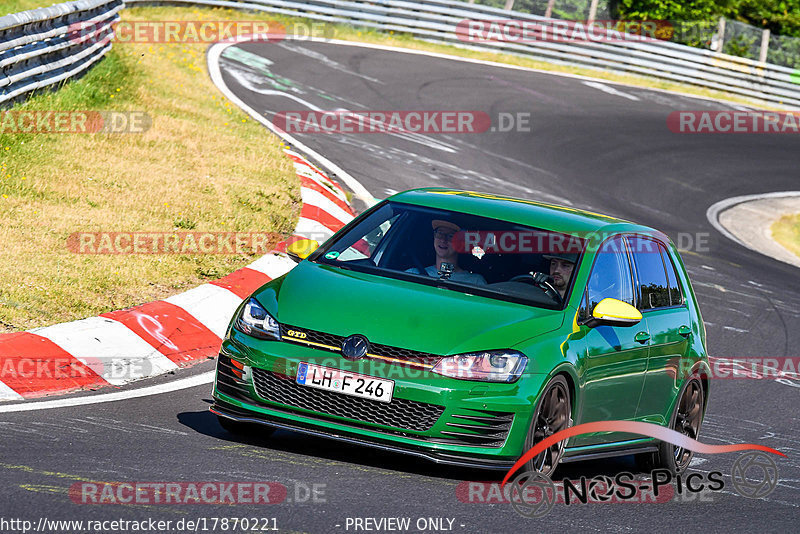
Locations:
438 20
38 49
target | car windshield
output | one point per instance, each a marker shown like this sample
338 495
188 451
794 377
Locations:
461 252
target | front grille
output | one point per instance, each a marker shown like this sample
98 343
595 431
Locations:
229 379
480 428
333 343
400 413
312 336
405 355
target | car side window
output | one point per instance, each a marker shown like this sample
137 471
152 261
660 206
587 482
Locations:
611 274
675 295
653 285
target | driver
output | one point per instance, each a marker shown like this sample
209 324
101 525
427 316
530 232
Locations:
443 232
561 266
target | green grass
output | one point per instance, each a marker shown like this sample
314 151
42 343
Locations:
202 166
786 231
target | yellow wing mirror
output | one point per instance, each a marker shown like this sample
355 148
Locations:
301 249
613 312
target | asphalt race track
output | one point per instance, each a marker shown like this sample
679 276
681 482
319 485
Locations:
602 147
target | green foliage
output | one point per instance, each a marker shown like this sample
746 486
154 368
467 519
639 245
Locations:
693 23
667 9
696 21
779 16
786 52
743 45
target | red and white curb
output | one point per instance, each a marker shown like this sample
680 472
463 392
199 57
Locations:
158 337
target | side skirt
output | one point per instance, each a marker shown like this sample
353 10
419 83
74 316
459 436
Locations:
609 450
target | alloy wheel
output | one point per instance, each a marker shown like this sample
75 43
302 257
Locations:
687 420
552 415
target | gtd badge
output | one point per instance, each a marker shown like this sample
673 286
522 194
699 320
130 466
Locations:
296 334
355 347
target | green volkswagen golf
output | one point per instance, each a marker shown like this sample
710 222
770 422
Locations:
464 327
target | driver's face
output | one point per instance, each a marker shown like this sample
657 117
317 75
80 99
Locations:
443 242
561 271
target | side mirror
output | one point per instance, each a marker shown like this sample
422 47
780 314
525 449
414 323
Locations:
613 312
301 249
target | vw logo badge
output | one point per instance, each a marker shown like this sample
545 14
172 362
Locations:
355 347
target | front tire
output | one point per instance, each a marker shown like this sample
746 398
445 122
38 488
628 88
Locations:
553 413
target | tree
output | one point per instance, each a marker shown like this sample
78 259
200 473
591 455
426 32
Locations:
693 22
779 16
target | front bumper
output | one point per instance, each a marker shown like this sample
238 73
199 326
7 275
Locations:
441 419
222 409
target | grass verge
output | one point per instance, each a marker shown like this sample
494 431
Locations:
786 231
203 165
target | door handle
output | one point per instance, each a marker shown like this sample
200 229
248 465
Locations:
685 331
642 337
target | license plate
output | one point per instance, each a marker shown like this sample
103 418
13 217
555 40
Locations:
358 385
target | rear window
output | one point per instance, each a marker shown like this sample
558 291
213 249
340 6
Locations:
675 294
653 284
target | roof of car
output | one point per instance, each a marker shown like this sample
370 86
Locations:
521 211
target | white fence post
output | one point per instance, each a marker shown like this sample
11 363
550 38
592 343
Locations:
592 11
762 57
720 34
548 13
509 5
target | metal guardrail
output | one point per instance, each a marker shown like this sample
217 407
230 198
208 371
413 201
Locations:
39 48
438 19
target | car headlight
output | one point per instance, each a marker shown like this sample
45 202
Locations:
254 321
490 366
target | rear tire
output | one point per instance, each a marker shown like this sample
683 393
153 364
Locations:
238 428
687 419
553 413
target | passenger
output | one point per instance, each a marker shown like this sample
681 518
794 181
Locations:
447 256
